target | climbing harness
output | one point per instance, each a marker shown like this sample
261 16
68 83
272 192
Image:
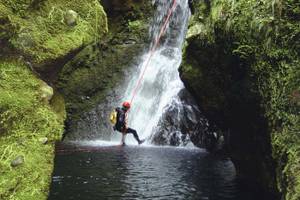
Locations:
152 50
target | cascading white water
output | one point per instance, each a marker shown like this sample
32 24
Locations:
163 111
161 82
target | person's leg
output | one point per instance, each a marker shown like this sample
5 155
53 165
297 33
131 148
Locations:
130 130
123 132
123 138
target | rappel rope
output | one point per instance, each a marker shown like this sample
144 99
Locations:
152 50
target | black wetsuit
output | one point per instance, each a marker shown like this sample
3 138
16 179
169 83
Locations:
121 124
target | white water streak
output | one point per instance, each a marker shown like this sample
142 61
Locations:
161 82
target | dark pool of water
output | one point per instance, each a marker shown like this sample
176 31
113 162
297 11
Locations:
134 172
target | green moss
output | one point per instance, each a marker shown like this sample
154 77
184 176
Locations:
89 77
38 32
247 57
41 33
58 105
104 66
135 25
25 118
6 28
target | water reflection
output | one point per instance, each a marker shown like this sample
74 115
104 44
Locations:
144 173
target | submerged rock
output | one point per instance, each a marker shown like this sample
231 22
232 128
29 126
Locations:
19 160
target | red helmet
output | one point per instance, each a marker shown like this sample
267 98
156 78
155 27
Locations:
126 105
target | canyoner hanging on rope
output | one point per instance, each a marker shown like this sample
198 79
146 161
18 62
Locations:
115 114
120 117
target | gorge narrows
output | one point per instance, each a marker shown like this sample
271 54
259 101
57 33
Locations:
90 165
160 93
214 88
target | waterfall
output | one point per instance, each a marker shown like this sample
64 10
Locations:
162 112
161 83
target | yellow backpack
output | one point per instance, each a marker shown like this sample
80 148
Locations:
113 117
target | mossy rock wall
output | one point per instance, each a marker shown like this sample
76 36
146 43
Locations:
241 62
37 37
29 127
40 31
86 80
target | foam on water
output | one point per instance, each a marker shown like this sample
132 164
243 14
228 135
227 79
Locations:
105 143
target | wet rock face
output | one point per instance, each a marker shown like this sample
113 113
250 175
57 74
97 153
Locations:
236 74
227 95
125 8
182 123
113 6
90 78
175 125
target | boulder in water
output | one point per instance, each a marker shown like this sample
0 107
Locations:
177 123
